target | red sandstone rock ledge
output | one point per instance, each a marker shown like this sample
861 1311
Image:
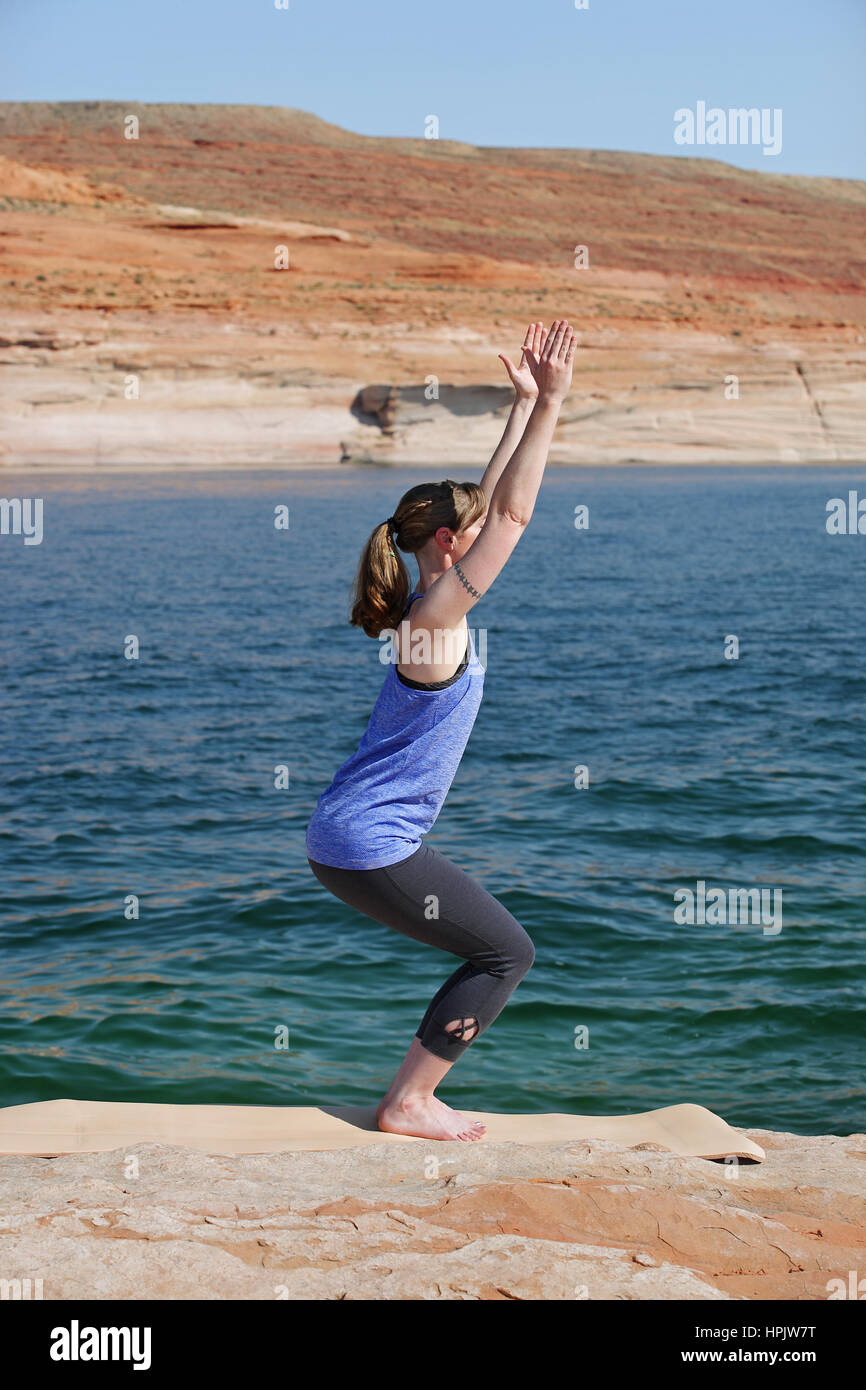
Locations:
151 324
587 1220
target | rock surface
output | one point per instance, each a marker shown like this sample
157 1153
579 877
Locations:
251 287
590 1220
141 395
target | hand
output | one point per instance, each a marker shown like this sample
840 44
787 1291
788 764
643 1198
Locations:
551 367
521 376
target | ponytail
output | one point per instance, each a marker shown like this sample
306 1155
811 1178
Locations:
382 584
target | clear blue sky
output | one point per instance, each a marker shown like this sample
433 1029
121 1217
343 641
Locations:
495 72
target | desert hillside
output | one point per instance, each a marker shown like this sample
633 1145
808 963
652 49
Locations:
153 320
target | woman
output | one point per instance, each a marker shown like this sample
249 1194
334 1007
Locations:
364 841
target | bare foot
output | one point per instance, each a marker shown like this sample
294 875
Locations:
427 1118
473 1124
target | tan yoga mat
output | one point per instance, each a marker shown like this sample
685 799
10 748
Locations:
51 1127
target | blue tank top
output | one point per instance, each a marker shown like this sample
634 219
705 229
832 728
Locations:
389 793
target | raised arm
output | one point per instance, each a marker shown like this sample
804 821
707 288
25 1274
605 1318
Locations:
513 500
525 396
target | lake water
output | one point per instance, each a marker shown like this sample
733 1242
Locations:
605 649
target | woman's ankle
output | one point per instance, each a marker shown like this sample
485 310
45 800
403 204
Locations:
406 1098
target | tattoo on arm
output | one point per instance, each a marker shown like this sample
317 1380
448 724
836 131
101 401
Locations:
465 582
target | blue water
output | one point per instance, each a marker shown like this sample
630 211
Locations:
605 648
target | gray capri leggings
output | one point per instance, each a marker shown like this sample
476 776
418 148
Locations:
430 899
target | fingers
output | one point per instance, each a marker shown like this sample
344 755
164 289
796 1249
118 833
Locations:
545 352
558 330
534 339
567 340
561 335
559 344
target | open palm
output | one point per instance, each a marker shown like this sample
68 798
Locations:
552 367
522 378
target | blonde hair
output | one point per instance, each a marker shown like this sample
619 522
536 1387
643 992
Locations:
382 582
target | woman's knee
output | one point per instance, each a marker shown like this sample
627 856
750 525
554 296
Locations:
527 954
520 952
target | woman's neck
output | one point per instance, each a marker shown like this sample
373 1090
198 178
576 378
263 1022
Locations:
428 577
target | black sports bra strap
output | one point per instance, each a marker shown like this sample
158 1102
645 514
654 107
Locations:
410 601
